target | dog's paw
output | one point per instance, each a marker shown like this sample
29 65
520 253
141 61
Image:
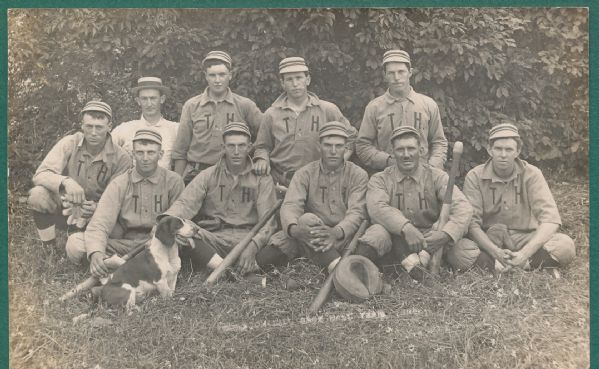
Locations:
167 294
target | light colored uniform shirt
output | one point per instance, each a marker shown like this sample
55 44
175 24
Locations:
290 140
69 158
521 201
123 135
133 202
393 199
338 198
240 200
385 113
200 134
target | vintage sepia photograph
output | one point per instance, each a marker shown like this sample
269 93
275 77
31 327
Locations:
298 188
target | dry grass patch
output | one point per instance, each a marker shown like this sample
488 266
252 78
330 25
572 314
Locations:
471 320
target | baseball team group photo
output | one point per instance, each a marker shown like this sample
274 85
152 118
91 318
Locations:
298 188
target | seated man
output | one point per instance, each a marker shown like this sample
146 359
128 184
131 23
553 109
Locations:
128 208
234 197
405 200
150 95
323 207
515 220
79 167
288 137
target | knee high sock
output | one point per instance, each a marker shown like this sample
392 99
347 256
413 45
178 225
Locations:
271 256
542 259
45 226
206 255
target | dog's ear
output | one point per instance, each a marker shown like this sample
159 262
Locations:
167 229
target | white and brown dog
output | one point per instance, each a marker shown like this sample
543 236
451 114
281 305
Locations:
155 268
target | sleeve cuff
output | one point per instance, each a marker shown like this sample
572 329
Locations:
94 248
400 227
55 183
288 228
453 230
261 154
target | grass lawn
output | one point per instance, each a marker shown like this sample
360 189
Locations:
470 320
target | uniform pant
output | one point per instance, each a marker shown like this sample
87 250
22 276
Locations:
560 247
390 248
294 249
208 243
77 252
47 212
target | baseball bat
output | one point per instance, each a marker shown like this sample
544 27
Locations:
458 148
327 286
238 249
112 262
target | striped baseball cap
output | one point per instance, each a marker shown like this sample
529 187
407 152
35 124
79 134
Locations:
333 128
404 130
148 134
98 106
398 56
292 64
218 55
503 130
238 127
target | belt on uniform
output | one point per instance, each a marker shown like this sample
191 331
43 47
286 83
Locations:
139 230
234 226
197 165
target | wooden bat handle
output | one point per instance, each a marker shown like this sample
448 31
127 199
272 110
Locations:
458 148
238 249
327 286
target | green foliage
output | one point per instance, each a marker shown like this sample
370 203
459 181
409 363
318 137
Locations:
482 66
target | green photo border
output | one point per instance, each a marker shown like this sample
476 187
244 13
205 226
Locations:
593 107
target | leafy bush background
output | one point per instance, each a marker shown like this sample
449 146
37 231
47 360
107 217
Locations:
482 66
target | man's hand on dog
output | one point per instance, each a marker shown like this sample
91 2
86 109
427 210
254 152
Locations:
247 260
96 265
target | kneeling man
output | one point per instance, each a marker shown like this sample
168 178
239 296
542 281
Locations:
75 173
515 221
231 196
323 207
404 201
128 208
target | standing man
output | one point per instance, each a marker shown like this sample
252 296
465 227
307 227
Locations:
288 138
404 201
199 138
515 221
128 208
79 167
399 106
323 207
150 95
234 197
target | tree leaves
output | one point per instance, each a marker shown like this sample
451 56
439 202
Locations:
482 65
